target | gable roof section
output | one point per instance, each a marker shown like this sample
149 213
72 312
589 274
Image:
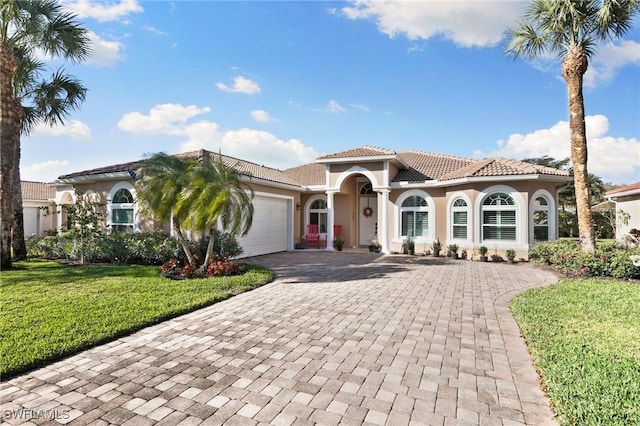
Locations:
498 166
360 152
39 191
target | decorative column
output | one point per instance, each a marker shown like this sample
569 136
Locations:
330 220
383 230
59 218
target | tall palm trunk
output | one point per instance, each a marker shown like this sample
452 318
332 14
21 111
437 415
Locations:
9 128
17 242
210 245
183 241
573 68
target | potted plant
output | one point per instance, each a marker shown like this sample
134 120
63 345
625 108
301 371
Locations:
511 255
483 253
374 246
411 247
436 246
338 242
453 248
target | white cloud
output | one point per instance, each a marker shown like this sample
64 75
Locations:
154 30
261 116
615 159
103 11
103 52
248 144
360 107
334 107
257 146
74 129
45 171
240 85
466 23
162 119
609 58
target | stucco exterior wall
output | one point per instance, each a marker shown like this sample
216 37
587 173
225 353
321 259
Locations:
631 206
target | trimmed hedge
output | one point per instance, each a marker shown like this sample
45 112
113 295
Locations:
608 260
143 248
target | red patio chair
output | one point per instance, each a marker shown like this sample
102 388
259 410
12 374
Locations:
313 236
337 231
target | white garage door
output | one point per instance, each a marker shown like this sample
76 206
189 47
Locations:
271 229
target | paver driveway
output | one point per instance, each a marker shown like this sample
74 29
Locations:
338 338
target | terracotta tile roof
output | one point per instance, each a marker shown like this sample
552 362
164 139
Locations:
363 151
246 168
624 188
36 190
421 166
258 171
308 174
501 167
114 168
428 166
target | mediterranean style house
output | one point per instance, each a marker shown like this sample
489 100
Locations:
366 194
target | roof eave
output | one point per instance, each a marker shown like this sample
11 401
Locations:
628 193
92 178
480 179
273 184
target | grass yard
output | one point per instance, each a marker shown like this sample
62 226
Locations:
584 336
50 310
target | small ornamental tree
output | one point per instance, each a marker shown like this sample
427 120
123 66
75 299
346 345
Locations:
84 218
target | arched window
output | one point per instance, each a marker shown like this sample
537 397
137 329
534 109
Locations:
540 219
367 189
499 217
414 217
460 219
122 217
318 215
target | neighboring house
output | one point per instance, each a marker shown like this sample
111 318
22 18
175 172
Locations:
372 193
37 207
627 200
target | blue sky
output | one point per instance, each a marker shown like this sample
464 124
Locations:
280 83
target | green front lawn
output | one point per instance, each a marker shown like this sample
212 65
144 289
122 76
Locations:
50 310
584 336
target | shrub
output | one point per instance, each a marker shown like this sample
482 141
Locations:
143 248
608 260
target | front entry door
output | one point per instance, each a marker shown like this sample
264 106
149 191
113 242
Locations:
367 221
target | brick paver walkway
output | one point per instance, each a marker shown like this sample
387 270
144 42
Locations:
338 338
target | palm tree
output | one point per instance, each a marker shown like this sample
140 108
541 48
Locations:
26 26
571 29
216 191
161 182
42 100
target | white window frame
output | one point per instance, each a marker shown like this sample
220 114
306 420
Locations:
451 209
308 211
522 219
552 214
431 217
111 206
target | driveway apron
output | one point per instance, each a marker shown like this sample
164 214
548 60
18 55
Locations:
337 338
